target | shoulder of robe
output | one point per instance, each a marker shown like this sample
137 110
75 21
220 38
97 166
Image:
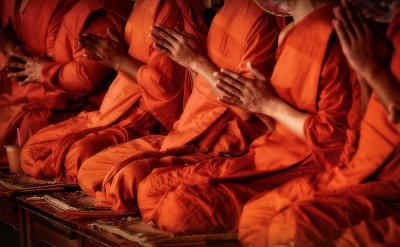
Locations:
80 12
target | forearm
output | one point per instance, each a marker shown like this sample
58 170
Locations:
365 92
204 67
79 75
384 84
129 66
289 117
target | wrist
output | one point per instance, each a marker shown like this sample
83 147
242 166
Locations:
371 72
271 107
117 62
197 63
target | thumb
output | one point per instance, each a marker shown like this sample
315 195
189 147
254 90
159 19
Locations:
255 72
112 35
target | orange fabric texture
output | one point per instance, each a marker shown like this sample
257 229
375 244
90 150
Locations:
384 232
318 210
51 28
129 109
313 76
240 32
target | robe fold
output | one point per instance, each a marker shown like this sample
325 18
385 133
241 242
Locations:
130 109
313 76
335 206
240 32
69 83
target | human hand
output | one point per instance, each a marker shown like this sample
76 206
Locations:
365 46
8 38
30 67
181 46
253 95
394 113
105 51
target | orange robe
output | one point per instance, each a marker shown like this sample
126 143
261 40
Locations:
70 82
130 109
240 32
313 76
318 210
384 232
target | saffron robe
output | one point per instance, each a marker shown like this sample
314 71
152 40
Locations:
313 76
70 82
318 210
240 32
130 109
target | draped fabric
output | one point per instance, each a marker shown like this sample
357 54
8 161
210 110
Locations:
240 32
338 206
70 82
313 76
130 109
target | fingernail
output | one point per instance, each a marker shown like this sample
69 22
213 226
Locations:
215 74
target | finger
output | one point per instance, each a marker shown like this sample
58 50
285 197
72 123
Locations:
26 81
183 33
20 56
91 56
163 50
87 41
229 81
339 14
94 37
233 77
353 18
255 72
365 23
91 48
343 37
17 74
13 65
234 101
162 42
228 89
172 31
112 35
163 34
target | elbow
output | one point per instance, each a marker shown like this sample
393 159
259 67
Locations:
325 136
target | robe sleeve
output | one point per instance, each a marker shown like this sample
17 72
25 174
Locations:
69 70
260 47
326 129
161 79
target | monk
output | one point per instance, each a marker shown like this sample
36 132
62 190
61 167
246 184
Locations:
309 96
356 204
146 97
239 33
56 82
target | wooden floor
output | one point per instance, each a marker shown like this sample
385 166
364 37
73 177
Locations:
26 224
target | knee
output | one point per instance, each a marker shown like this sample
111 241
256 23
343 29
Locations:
191 209
176 213
87 178
258 227
82 150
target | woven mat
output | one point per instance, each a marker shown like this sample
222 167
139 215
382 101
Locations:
75 205
133 229
11 184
